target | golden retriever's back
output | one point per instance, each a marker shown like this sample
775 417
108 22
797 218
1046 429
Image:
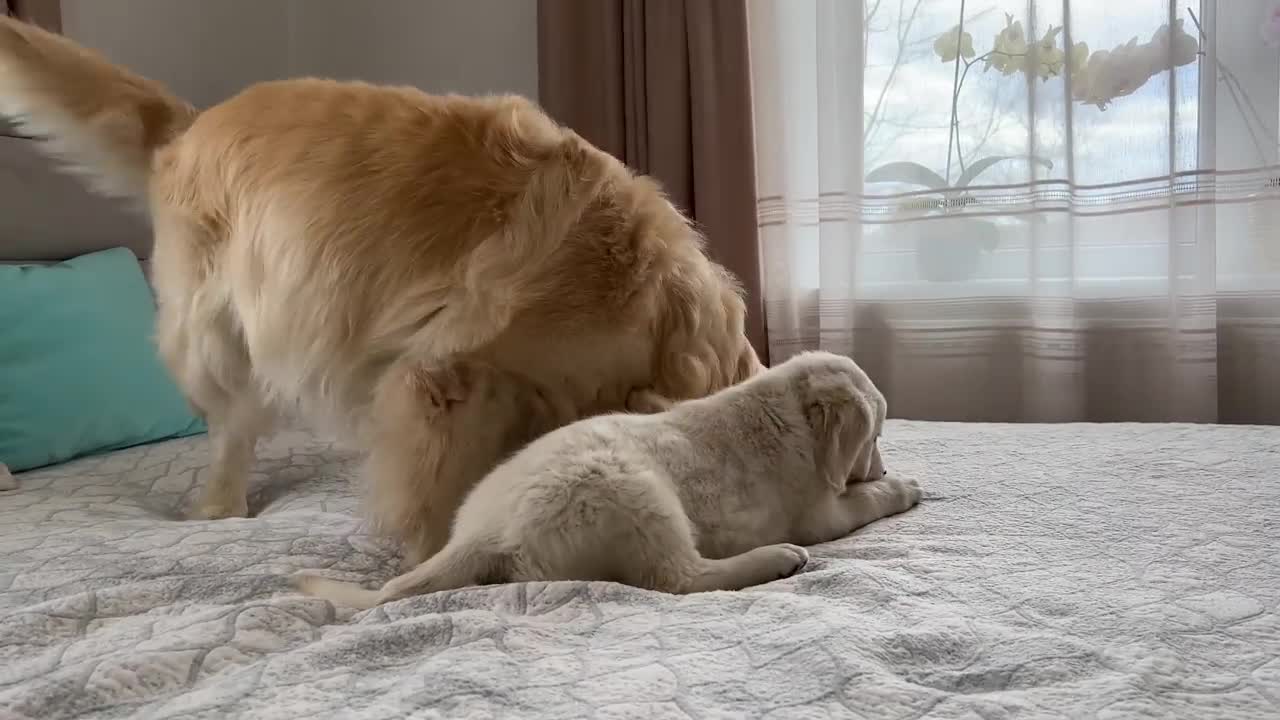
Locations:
350 150
437 224
377 173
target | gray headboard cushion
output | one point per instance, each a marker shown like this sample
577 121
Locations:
47 214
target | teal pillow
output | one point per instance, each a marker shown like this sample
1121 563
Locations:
79 372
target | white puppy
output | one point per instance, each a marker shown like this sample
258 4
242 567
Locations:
706 495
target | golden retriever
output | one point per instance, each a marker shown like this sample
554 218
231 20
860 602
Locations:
705 496
319 243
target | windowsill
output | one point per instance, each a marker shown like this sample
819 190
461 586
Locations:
1117 288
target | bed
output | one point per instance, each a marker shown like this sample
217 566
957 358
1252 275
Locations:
1051 571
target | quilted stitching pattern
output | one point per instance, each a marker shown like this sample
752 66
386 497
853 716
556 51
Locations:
1052 571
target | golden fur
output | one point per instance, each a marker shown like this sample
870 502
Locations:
320 244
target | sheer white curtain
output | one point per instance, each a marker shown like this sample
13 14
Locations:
1044 210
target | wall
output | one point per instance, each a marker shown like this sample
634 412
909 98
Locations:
206 50
465 46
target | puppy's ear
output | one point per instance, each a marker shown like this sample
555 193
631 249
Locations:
845 424
835 426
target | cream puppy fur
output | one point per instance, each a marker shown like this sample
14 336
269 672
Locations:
327 246
708 495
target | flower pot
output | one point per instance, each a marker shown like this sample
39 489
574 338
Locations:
1264 218
952 250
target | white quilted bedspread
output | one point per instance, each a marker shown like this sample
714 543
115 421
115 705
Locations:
1051 571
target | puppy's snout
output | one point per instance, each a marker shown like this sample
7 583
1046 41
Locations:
875 469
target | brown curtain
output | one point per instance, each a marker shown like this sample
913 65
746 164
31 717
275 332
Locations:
45 13
664 85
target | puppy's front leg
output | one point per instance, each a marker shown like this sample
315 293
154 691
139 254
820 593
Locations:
862 503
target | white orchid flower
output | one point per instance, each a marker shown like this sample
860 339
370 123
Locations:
1078 66
1009 51
1096 79
1045 59
1122 70
1086 85
1131 68
1186 49
952 44
1079 57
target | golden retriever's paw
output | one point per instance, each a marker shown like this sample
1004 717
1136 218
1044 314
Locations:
220 510
790 559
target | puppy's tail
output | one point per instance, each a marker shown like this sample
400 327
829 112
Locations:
103 120
335 591
457 565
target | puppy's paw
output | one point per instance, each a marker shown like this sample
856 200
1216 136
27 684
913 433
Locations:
908 490
335 591
789 559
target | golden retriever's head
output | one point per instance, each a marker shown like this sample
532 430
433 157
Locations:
702 337
845 412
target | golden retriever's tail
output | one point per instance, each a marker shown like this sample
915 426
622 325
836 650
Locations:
104 120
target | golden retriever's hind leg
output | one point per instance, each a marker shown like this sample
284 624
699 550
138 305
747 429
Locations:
753 567
234 429
208 360
200 340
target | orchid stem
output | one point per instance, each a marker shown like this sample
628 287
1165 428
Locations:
955 101
952 136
